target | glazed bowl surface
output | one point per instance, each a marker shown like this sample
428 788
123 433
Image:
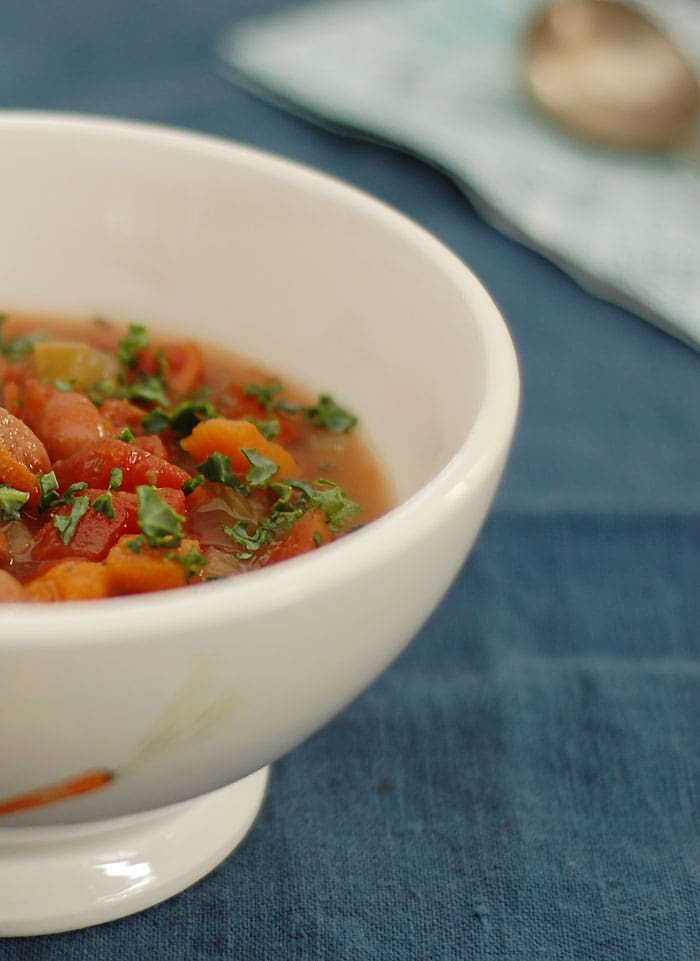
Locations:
178 693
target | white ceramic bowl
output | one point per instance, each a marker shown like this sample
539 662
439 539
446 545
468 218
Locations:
184 692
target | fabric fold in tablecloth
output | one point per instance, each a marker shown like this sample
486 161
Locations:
440 78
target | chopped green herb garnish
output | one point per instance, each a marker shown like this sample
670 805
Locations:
317 539
329 415
11 502
337 507
116 478
193 562
295 498
283 491
264 393
268 428
181 420
67 524
193 483
150 388
50 497
289 407
262 469
104 504
217 467
136 544
64 385
101 390
17 348
127 435
157 422
130 348
159 522
326 413
252 542
72 491
48 485
147 388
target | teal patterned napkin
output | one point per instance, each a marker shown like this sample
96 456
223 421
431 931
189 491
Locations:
441 79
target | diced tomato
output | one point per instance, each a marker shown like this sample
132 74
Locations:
11 373
95 466
12 397
184 365
245 405
121 413
153 444
22 455
96 533
65 421
309 532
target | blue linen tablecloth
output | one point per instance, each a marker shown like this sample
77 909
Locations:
523 782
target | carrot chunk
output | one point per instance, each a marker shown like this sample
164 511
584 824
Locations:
10 588
70 580
230 438
147 568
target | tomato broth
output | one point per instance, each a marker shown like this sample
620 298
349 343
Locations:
131 461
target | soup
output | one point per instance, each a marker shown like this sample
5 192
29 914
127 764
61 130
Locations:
133 462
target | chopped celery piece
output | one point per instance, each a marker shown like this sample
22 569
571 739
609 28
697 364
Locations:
79 366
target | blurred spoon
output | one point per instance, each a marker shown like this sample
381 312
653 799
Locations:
609 74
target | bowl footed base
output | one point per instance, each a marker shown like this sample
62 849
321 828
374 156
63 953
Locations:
64 878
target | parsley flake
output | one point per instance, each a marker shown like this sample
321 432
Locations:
331 416
193 562
159 522
67 524
181 420
264 393
104 504
17 348
334 503
116 478
11 502
48 485
268 428
193 483
262 469
149 389
136 544
217 468
129 349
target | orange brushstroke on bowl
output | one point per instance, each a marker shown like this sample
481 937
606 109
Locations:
60 791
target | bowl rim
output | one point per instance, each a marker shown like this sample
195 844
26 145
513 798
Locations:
483 449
